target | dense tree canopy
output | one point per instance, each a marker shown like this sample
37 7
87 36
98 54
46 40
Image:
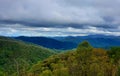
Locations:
16 57
20 59
84 61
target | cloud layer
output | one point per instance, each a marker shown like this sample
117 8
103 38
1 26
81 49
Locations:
59 17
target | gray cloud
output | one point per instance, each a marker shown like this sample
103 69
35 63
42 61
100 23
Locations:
98 16
17 30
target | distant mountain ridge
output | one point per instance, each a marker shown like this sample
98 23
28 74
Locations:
103 41
48 42
70 42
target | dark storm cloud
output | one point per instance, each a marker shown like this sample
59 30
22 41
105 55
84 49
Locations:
31 24
102 16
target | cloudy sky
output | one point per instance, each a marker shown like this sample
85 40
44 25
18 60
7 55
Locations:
59 17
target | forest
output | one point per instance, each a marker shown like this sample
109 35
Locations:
84 61
59 37
24 59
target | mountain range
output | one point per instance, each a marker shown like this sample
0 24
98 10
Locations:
48 42
19 58
70 42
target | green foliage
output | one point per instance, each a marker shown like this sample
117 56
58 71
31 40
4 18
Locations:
84 61
84 44
20 59
46 73
2 73
17 57
114 53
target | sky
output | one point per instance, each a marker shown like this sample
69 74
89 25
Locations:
59 17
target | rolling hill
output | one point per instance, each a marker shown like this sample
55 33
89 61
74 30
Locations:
70 42
83 61
48 42
16 56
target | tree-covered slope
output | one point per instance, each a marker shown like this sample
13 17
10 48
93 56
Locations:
84 61
48 42
20 59
17 56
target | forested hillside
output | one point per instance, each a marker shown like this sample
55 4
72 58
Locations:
17 57
84 61
23 59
